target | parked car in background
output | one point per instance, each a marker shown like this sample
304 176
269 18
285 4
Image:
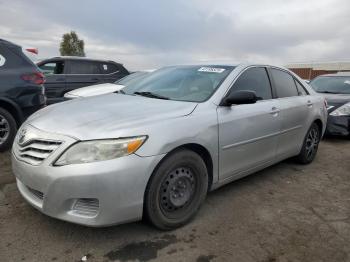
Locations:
156 149
107 88
336 89
64 74
21 90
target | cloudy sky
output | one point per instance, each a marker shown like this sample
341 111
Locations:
153 33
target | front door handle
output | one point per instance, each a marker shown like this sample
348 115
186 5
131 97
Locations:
275 111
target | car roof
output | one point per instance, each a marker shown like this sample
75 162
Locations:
8 43
78 58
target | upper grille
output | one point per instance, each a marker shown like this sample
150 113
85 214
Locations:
36 151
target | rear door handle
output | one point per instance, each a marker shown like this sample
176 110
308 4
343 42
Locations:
309 103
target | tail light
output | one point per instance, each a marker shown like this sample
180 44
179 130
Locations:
325 103
37 78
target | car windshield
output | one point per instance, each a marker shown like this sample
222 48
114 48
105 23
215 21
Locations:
132 78
182 83
331 84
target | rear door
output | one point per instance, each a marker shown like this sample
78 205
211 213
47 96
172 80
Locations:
294 105
248 133
81 73
55 83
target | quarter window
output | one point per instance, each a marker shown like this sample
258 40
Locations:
108 68
285 85
301 89
254 79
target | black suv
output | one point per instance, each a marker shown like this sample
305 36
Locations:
64 74
21 90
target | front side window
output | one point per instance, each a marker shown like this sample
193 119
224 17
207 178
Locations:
52 68
285 85
254 79
331 84
182 83
84 68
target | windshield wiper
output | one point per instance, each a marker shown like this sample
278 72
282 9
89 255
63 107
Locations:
152 95
327 92
120 91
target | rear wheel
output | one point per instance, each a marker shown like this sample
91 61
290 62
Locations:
310 145
8 129
176 190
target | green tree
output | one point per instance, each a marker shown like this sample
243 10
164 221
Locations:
71 45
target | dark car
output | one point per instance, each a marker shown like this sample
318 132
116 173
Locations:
64 74
21 90
336 90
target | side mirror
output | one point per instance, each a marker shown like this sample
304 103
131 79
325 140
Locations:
240 98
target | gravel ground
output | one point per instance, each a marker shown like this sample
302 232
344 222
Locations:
287 212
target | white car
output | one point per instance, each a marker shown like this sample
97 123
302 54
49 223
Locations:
106 88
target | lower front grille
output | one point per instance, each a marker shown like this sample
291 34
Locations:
39 195
86 207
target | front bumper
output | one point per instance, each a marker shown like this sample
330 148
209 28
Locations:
116 187
338 125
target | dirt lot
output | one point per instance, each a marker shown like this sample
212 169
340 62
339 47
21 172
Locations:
287 212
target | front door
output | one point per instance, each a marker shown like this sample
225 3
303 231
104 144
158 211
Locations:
55 80
248 133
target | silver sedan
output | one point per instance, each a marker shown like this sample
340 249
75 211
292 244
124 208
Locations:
157 147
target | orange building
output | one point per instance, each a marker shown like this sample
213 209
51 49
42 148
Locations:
311 70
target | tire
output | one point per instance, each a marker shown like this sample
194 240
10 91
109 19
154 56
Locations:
310 145
176 190
8 129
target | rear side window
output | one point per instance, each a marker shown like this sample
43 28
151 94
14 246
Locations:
285 85
84 68
254 79
108 68
301 89
52 68
13 58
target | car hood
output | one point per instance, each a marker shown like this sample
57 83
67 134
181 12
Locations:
103 116
336 98
95 90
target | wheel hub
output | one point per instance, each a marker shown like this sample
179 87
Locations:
4 129
312 142
177 189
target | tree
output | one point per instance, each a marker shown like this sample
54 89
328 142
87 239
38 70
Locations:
71 45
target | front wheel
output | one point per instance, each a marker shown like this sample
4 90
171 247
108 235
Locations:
176 190
310 145
8 129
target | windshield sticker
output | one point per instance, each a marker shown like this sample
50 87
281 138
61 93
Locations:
2 60
347 82
211 70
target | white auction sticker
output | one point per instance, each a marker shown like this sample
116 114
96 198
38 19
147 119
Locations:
2 60
211 69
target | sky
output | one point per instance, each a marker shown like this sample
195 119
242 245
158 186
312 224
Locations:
154 33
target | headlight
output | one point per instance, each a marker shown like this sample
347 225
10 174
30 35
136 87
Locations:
344 110
100 150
